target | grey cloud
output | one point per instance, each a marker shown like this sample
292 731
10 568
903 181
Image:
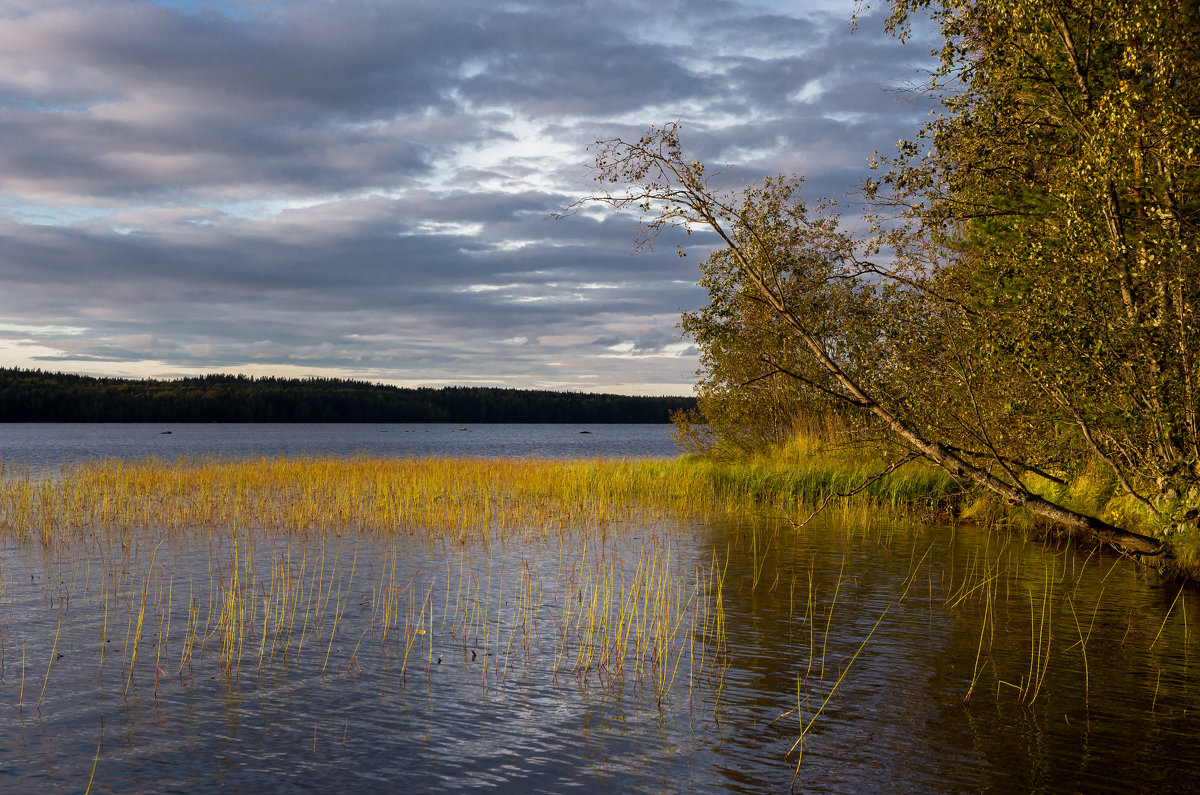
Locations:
364 188
564 62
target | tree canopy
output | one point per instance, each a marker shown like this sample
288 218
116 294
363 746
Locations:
34 396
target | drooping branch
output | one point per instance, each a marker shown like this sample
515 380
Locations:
1012 462
866 484
811 384
1086 431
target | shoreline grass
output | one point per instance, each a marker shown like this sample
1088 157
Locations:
446 497
466 498
824 462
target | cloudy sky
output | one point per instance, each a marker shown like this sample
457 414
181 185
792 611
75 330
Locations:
362 189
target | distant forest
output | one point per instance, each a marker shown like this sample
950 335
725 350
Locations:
35 396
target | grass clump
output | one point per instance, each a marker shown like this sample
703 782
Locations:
828 464
810 470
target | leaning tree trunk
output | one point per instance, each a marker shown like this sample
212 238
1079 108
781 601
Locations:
1089 527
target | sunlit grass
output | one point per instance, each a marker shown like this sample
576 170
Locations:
467 499
824 459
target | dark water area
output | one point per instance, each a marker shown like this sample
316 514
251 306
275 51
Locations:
51 444
662 655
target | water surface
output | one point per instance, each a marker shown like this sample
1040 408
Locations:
920 659
50 444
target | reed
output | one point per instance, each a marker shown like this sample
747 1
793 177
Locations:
454 499
806 725
96 760
1083 641
1157 635
53 652
1026 603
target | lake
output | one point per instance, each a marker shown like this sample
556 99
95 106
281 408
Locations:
49 444
656 653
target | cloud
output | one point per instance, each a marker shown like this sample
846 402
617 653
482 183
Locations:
364 189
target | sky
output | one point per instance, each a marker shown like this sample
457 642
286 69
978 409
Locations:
364 189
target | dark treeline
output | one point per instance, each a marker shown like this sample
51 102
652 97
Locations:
35 396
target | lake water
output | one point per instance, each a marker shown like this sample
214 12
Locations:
49 444
663 653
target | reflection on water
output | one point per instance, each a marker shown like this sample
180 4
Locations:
708 657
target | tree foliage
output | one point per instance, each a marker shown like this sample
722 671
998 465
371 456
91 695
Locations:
1027 299
1062 189
1065 181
